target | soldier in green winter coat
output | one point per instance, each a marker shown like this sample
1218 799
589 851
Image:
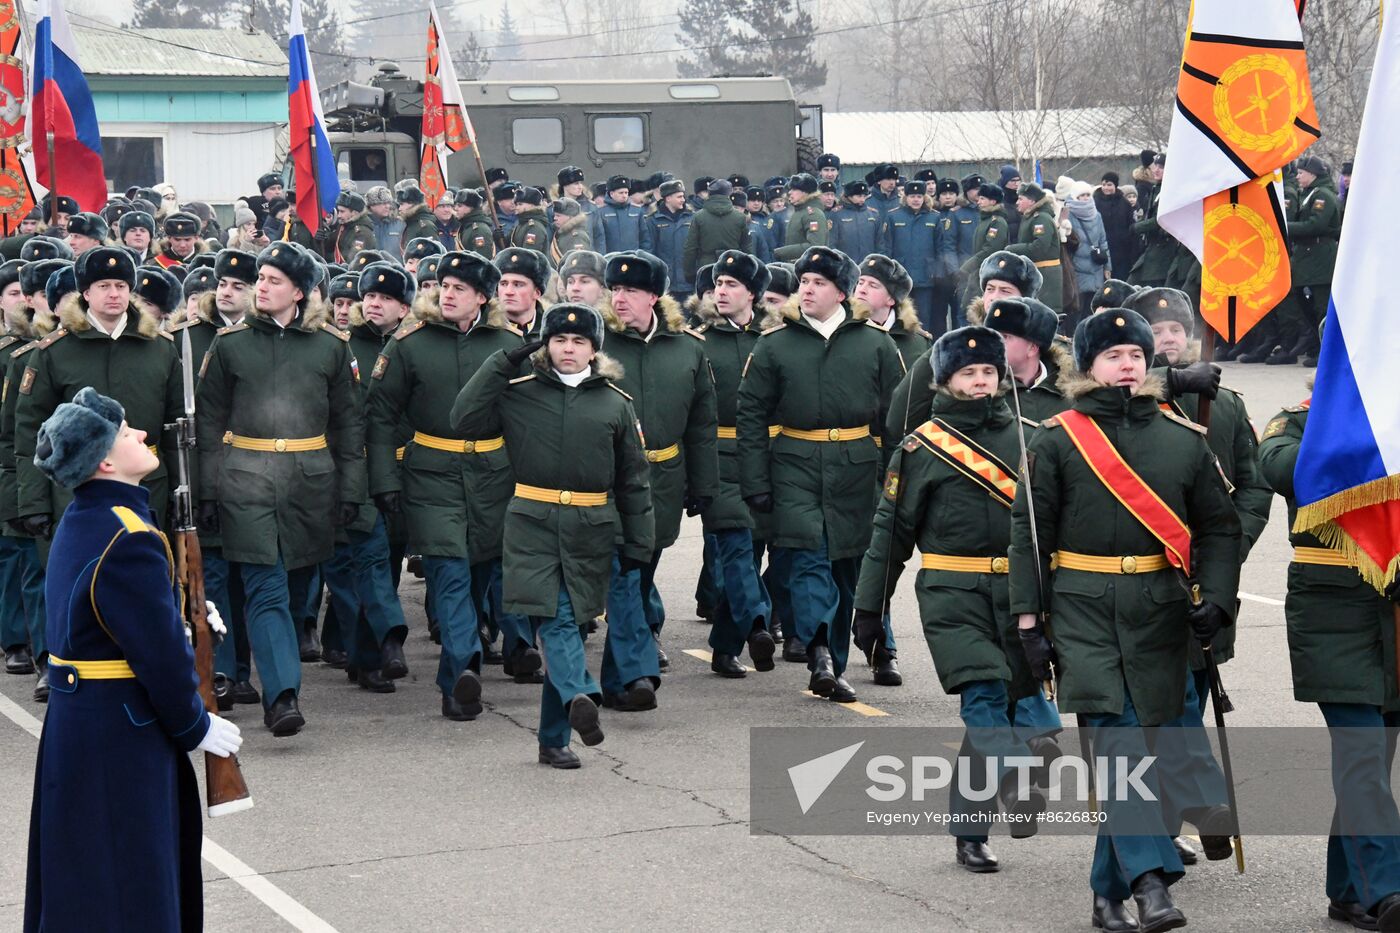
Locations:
352 230
531 230
741 611
806 225
418 219
1034 355
474 231
993 234
581 498
524 275
666 375
716 227
1313 234
1341 642
959 517
1159 247
281 457
1117 610
1039 241
824 378
452 490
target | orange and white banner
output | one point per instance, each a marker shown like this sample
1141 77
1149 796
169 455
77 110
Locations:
446 126
17 186
1244 109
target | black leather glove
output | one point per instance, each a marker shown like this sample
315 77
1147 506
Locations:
762 503
1040 654
869 629
37 526
522 353
345 513
1201 377
390 503
324 232
628 564
1206 619
208 518
694 505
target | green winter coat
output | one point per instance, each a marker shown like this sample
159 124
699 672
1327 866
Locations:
993 233
454 504
531 230
911 341
140 369
475 233
669 382
367 344
1158 246
715 228
806 226
350 238
798 380
583 439
1341 632
1039 241
419 222
262 381
1315 233
1112 628
927 503
15 353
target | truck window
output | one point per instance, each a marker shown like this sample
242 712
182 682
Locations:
619 134
365 167
537 136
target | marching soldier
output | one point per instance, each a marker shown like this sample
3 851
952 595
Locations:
581 486
1123 492
531 230
823 377
352 230
1039 241
1341 641
583 272
281 442
474 230
885 286
181 242
806 226
524 275
991 236
666 375
414 252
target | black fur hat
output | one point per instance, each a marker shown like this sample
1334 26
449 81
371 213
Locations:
1163 304
421 248
948 186
45 247
408 192
88 225
803 182
427 270
35 275
991 192
198 282
854 189
782 279
572 318
746 268
828 160
616 182
472 268
583 262
295 261
181 224
1113 293
1024 317
268 180
353 200
366 256
236 264
885 171
344 286
61 282
638 269
888 273
133 219
199 261
570 174
390 280
527 262
496 174
1011 267
705 279
104 262
9 273
915 187
831 264
967 346
1111 327
160 289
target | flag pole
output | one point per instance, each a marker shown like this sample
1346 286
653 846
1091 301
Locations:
48 133
1207 357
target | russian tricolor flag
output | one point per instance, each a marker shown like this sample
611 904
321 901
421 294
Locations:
317 183
1347 478
61 103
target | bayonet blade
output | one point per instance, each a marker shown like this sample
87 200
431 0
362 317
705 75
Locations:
187 361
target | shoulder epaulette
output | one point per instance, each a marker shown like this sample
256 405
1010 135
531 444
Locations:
694 333
1051 422
187 322
336 332
407 329
704 327
513 329
522 379
911 443
768 330
1184 422
132 522
233 328
166 334
7 341
53 338
619 391
24 349
1296 409
1030 421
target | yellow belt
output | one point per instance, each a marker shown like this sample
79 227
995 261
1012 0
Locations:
95 670
1047 263
827 434
560 496
398 454
279 445
1322 556
459 447
1150 563
664 454
965 564
732 434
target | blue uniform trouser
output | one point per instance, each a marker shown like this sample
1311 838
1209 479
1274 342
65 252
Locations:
1121 859
22 618
741 605
450 582
1186 767
652 606
777 581
629 651
224 588
823 599
565 670
304 595
1201 679
362 594
706 590
1036 715
1362 868
271 631
923 299
983 707
487 583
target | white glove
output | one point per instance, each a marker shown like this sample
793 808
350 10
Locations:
222 739
216 621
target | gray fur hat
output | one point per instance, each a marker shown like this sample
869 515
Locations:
294 261
1163 304
781 278
967 346
583 262
77 437
1113 293
45 247
473 269
746 269
889 273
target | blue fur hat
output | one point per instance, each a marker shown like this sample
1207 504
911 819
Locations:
77 437
61 282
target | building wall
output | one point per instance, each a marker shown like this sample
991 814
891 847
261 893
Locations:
215 162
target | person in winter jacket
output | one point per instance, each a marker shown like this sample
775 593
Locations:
1092 258
1010 184
720 226
571 229
909 236
1117 214
670 227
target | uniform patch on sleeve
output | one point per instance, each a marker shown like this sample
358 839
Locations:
1037 229
26 385
1319 204
381 366
992 234
529 239
891 485
479 241
812 226
1275 428
641 436
355 367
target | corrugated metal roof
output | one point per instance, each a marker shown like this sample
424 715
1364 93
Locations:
221 53
927 136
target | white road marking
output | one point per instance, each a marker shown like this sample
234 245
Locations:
1266 600
281 903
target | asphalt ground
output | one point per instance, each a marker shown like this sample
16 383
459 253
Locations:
383 815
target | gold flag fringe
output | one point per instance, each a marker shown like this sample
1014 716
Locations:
1319 519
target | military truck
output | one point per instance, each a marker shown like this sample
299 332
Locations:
750 125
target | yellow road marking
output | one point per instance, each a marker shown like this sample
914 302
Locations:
700 653
861 708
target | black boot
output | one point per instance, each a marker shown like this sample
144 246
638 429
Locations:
245 694
1215 826
467 692
794 649
1027 810
1184 850
565 759
1257 355
583 719
1047 750
18 660
1112 916
307 644
454 711
525 665
640 697
1280 357
375 681
886 667
726 665
843 692
334 657
41 685
761 649
391 658
489 654
1388 914
663 662
1155 909
823 679
223 693
1353 913
976 857
284 716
